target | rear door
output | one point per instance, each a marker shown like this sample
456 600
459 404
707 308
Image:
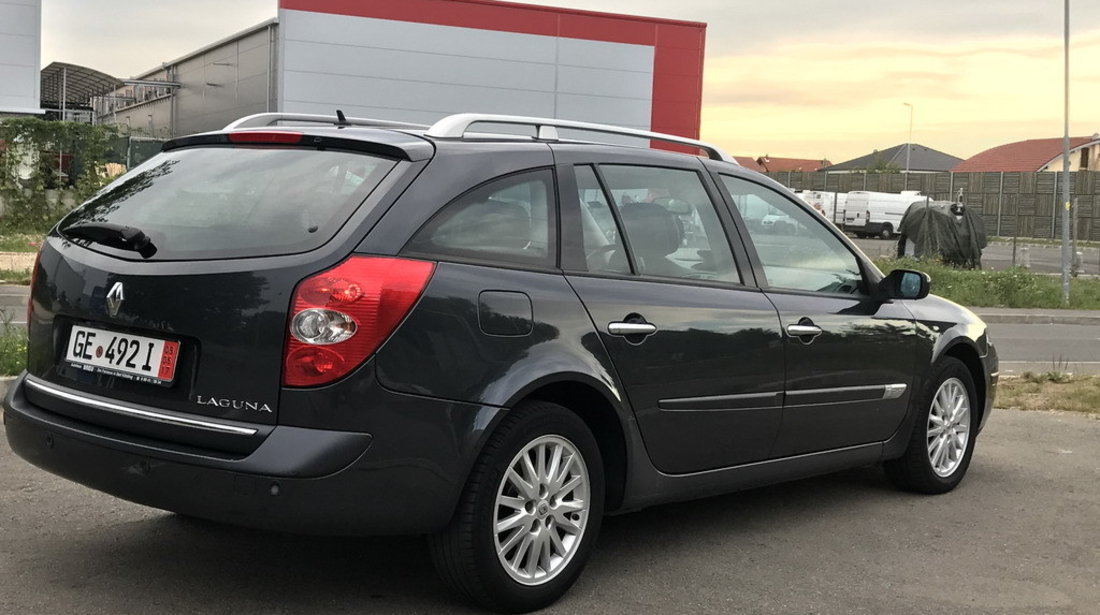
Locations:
849 358
171 287
697 349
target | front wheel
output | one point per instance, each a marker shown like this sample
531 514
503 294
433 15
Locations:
887 232
942 441
529 514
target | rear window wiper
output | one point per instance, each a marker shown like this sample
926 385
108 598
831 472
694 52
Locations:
113 235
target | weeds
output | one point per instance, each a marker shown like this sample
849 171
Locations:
1010 288
1067 392
20 242
13 346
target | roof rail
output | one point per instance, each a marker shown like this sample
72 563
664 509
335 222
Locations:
271 119
456 127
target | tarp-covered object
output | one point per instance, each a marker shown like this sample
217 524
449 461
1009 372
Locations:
945 230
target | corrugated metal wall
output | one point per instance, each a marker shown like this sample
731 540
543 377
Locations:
20 52
421 72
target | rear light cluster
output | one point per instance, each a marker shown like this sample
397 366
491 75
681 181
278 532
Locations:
341 316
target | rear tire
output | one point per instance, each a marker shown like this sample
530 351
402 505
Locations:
887 232
942 442
529 514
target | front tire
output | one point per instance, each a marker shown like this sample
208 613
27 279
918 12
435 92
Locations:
942 441
887 232
529 514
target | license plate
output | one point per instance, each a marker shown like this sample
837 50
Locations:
134 357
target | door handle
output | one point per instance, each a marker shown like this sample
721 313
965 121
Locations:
803 330
631 328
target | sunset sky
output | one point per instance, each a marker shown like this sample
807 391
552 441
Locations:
798 78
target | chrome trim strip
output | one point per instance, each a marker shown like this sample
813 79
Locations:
145 414
894 391
744 401
844 395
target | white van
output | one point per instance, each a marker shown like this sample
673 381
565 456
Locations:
830 205
878 214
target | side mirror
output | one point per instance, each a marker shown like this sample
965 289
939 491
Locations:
905 284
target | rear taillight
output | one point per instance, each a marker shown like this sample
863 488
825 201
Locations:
339 317
34 278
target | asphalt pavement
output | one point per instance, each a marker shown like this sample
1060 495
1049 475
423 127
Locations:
1021 535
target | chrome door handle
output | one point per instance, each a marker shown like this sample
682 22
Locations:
803 330
631 328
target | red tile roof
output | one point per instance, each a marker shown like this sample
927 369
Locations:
765 164
1026 156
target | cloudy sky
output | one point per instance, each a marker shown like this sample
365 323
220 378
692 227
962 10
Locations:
800 78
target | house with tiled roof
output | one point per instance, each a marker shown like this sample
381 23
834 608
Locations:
769 164
920 158
1035 155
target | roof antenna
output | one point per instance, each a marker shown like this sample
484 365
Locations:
340 119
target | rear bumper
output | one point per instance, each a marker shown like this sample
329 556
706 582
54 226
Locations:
298 480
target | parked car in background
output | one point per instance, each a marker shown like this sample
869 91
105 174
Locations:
349 326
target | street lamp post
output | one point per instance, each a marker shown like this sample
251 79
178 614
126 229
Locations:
909 144
1065 173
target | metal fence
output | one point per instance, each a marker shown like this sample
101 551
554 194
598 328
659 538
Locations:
1012 204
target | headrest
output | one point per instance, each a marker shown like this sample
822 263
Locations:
651 228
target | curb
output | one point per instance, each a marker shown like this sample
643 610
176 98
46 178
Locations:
1038 319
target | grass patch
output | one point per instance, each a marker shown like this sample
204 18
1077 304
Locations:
1010 288
1050 391
20 242
13 347
12 276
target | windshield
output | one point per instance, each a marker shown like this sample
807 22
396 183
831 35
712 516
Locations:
224 202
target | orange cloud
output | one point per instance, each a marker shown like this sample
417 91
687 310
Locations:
843 100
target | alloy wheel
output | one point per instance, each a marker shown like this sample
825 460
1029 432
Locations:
948 427
542 509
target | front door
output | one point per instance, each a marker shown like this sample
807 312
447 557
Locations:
699 354
849 358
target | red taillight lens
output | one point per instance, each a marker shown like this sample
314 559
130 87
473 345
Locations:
339 317
265 136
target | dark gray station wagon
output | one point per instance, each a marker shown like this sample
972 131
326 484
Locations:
346 326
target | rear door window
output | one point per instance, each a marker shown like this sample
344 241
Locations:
506 220
223 202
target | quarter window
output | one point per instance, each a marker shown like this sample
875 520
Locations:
795 248
672 229
506 220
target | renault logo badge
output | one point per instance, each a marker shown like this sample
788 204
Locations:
114 299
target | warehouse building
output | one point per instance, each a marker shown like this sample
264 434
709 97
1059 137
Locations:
420 60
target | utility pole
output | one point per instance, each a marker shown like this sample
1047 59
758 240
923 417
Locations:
1066 256
909 145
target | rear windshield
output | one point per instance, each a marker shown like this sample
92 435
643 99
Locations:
224 202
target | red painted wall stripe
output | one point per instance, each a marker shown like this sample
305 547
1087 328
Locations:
678 45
